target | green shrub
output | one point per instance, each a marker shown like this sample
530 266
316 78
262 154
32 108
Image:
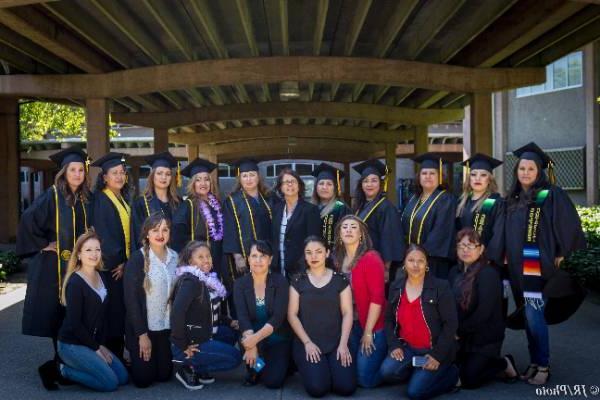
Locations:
585 264
9 263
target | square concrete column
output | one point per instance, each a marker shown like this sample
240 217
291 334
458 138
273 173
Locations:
477 125
591 83
500 105
98 142
10 197
161 140
390 161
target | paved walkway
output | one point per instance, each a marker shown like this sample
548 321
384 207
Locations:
575 354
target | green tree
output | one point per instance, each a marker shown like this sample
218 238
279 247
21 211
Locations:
38 119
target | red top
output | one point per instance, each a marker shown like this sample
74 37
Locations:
368 286
412 326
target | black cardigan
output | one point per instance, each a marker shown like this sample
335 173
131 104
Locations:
276 302
305 221
483 322
439 310
84 319
136 314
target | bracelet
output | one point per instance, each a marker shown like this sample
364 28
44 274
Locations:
307 342
368 335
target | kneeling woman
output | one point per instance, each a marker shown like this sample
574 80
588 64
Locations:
320 313
478 291
202 339
421 325
86 361
148 279
261 301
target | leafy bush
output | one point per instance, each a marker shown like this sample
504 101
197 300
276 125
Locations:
585 264
9 263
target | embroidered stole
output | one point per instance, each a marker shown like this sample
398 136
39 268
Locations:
193 223
532 268
481 217
418 215
329 222
124 215
361 213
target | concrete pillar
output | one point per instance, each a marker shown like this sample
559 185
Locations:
10 197
192 152
98 142
390 160
347 189
500 105
480 124
161 140
591 83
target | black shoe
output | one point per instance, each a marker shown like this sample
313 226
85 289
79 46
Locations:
511 379
251 378
188 378
49 374
206 379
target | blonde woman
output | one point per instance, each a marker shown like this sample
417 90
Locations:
159 195
148 281
481 207
200 216
84 295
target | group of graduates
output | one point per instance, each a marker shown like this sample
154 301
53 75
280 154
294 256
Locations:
129 289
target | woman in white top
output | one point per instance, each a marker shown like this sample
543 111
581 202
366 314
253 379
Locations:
148 281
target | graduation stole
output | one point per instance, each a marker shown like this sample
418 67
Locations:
148 210
328 222
532 268
371 210
193 224
65 225
124 214
237 218
481 217
419 214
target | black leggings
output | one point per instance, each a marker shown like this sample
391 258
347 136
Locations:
477 369
158 369
277 360
326 375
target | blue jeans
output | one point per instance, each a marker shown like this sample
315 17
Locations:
537 332
422 384
367 366
83 365
216 354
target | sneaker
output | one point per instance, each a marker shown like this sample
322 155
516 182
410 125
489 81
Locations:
206 379
188 378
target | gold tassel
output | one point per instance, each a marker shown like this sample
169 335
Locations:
440 179
339 187
179 181
87 165
551 174
385 180
238 171
467 170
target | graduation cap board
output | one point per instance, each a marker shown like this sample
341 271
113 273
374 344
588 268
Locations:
326 171
373 167
109 160
481 161
246 165
431 161
164 159
197 166
533 152
69 155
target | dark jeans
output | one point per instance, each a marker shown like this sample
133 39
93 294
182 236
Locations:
422 384
216 354
326 375
367 367
159 367
537 332
277 360
477 369
84 366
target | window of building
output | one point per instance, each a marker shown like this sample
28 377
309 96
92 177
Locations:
565 73
225 171
304 169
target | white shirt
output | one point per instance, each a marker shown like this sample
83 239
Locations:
101 291
282 229
161 276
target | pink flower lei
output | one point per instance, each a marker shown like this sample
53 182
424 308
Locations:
215 230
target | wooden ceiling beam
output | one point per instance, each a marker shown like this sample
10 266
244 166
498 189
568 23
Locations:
362 135
272 70
354 111
321 19
19 3
18 60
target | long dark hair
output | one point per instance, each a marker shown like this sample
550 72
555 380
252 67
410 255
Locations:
466 286
419 188
415 247
185 255
339 250
153 221
262 246
172 195
289 171
83 191
318 239
517 196
359 196
125 190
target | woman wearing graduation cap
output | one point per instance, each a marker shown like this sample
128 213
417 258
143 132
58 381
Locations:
429 216
47 232
380 215
481 207
248 213
542 228
160 194
111 220
326 196
200 216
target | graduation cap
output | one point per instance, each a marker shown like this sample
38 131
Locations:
375 167
431 161
563 296
197 166
481 161
69 155
533 152
109 160
326 171
166 160
246 164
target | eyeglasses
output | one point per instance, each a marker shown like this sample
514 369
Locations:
290 182
470 246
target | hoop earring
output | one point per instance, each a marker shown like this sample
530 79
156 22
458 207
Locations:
360 240
427 268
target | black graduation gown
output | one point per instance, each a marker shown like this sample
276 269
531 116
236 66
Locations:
493 228
42 312
139 213
305 222
437 229
384 228
107 223
559 235
181 233
239 233
329 221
